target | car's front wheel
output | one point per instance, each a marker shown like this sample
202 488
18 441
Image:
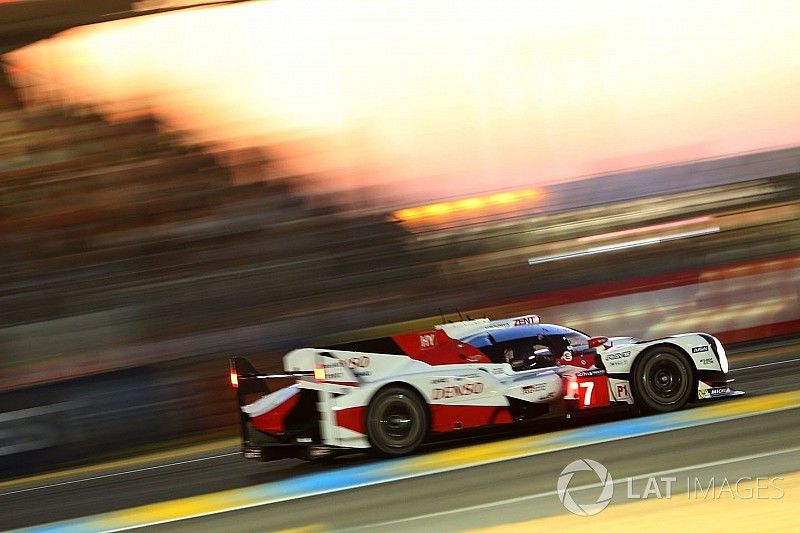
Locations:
397 421
662 380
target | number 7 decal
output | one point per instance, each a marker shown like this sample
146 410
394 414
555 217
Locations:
589 386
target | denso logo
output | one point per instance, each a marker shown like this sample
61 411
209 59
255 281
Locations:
457 390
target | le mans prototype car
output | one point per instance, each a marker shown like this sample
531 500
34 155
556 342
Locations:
388 395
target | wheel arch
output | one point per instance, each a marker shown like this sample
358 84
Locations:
642 357
680 349
398 383
406 385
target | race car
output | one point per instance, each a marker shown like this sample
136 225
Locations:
391 394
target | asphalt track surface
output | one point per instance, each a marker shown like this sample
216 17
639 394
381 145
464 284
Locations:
501 492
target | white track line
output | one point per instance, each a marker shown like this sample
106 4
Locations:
511 501
765 364
125 472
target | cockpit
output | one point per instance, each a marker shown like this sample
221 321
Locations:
526 348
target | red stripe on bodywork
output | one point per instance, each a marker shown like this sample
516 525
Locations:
273 421
446 418
351 418
435 347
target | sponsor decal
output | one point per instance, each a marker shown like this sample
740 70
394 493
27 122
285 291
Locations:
526 321
467 389
622 391
438 381
707 361
427 340
618 355
717 391
357 362
698 349
590 373
332 370
530 389
566 356
703 394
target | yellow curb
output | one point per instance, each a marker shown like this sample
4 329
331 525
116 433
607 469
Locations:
168 511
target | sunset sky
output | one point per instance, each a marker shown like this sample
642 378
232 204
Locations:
443 99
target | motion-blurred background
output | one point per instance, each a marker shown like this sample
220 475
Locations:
180 183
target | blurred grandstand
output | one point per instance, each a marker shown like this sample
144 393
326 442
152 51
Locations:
124 246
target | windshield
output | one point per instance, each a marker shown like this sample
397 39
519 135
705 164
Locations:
577 340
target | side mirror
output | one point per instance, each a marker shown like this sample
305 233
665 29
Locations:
594 342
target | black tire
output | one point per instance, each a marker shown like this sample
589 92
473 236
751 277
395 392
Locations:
662 380
397 421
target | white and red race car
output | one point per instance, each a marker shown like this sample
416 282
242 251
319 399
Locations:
391 394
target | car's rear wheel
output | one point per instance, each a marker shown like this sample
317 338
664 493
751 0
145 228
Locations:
662 380
397 421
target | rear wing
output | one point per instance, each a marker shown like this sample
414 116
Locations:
245 379
250 385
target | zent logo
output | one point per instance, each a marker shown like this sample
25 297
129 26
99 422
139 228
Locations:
566 498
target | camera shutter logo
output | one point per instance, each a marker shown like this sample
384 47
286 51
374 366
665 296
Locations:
587 509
